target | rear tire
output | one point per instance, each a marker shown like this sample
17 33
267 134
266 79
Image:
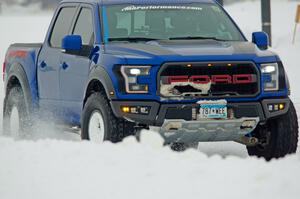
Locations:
278 138
16 121
99 124
178 147
181 147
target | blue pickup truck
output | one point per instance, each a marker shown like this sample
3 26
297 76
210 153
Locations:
113 67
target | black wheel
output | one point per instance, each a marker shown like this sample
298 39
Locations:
16 121
278 138
100 124
180 147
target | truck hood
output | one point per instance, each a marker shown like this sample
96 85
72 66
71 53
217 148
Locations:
187 50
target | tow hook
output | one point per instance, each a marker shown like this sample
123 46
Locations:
249 141
248 124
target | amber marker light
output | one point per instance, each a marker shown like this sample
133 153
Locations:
147 88
125 109
281 106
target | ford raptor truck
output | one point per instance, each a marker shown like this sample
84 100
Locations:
112 67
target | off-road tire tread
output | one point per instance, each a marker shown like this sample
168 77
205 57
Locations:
117 129
284 136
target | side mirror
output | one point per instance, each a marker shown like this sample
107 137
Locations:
72 43
261 39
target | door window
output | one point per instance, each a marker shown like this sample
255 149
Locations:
62 26
84 26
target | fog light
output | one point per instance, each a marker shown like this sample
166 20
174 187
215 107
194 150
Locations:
143 110
133 110
281 106
125 109
276 107
270 107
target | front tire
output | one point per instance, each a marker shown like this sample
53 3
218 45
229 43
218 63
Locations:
99 124
278 138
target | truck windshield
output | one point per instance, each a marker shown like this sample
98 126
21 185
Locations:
132 23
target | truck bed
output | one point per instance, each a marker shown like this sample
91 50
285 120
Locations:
24 56
26 45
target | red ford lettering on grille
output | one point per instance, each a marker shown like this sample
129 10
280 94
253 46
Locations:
215 79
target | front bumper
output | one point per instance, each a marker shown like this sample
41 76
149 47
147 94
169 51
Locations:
187 129
161 112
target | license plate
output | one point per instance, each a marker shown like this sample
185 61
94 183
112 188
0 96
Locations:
213 109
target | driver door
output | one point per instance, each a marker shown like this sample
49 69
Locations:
49 59
75 67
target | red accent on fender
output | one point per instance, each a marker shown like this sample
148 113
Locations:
18 53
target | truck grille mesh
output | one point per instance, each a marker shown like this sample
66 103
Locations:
180 80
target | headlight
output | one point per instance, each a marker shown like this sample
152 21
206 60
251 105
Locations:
130 74
270 74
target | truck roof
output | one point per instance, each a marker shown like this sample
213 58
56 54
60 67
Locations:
143 2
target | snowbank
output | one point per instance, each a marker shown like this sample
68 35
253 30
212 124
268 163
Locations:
58 169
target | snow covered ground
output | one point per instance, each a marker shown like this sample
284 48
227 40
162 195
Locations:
52 165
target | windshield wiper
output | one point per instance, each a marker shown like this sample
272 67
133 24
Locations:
195 38
146 39
132 39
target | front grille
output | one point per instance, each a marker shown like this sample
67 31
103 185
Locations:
213 80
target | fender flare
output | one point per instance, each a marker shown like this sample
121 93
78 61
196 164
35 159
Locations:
17 71
100 74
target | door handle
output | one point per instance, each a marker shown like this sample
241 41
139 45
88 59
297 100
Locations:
64 66
43 65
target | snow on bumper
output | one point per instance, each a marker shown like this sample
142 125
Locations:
207 130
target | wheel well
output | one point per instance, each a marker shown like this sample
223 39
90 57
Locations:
93 87
13 82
